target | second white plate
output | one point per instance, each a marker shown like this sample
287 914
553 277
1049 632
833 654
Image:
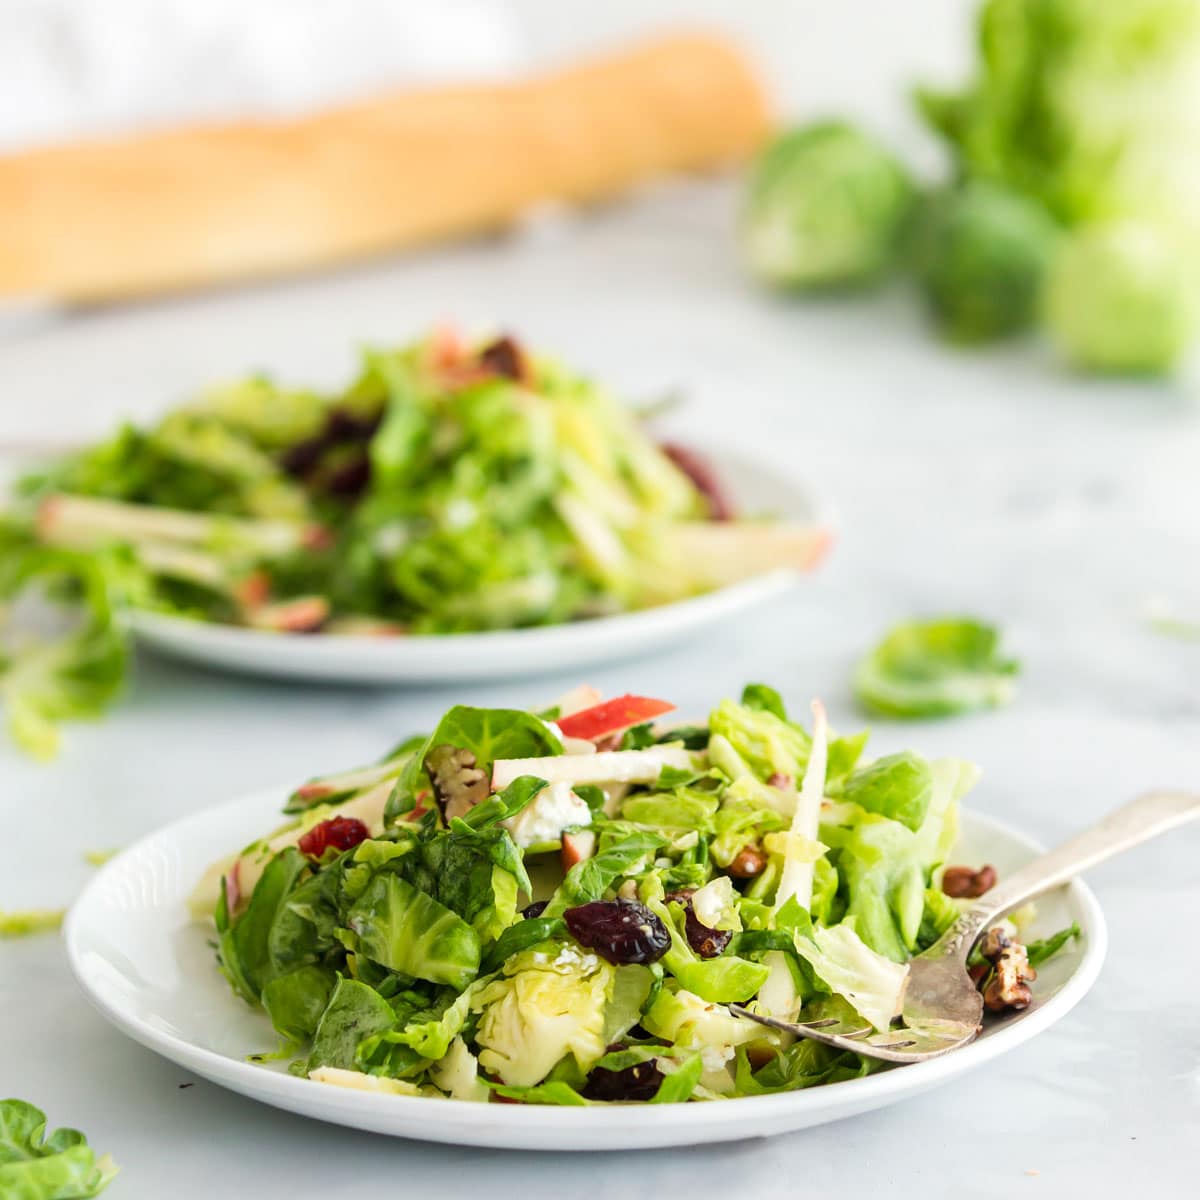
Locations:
508 654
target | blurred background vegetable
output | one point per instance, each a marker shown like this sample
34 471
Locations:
1084 115
824 208
1119 298
980 253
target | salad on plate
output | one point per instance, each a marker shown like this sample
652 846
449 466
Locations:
453 487
560 907
450 487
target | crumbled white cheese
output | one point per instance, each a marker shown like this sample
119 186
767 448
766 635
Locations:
715 1057
543 820
711 902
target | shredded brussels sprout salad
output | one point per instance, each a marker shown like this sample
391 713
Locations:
559 907
451 487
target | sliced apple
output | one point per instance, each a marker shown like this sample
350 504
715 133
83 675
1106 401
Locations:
613 716
609 766
577 699
242 873
577 847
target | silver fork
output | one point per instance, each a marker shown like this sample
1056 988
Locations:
942 1007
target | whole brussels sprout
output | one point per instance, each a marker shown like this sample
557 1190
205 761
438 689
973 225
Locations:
1119 299
824 208
980 253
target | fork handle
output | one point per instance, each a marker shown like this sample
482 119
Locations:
1129 826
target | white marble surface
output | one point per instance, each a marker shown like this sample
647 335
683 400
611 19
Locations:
989 483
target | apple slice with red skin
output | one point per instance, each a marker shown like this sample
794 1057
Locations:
612 716
577 846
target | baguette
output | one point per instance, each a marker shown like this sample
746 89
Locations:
185 208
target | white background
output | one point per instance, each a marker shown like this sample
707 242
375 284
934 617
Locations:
988 483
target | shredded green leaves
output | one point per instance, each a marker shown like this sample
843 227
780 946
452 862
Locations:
936 667
38 1166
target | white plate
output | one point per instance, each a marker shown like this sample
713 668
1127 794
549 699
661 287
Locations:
151 972
505 654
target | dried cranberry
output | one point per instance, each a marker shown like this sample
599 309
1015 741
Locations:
505 357
621 931
342 833
351 478
638 1082
300 458
703 477
707 942
535 909
341 428
345 426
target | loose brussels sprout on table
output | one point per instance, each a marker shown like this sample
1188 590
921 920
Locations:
980 252
936 667
1119 299
825 208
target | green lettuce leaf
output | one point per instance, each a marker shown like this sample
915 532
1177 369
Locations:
36 1167
590 879
934 668
429 1032
678 1086
78 671
898 786
554 1092
244 948
871 983
405 930
544 1007
1044 949
296 1001
524 935
355 1012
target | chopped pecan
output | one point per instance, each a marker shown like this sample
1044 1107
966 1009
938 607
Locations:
1009 984
962 883
994 943
458 781
748 862
1006 983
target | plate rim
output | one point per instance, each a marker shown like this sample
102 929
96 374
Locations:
346 1107
148 623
